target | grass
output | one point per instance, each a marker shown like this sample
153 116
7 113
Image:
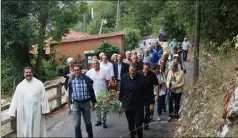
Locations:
203 106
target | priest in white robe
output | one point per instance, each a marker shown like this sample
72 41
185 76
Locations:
29 105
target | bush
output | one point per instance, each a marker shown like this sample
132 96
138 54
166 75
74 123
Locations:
106 48
49 69
132 38
9 76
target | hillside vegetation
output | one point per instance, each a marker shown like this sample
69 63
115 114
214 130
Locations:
202 110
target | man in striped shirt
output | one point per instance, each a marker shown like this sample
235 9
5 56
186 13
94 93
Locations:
80 93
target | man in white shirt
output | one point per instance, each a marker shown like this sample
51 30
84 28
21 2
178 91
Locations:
100 79
106 65
185 46
143 47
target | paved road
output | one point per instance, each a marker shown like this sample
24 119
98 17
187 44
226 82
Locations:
61 124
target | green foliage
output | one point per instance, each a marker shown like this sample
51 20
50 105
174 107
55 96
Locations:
218 25
132 37
109 100
7 77
50 69
106 48
139 14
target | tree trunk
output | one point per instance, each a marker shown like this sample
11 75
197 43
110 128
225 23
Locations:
39 68
196 40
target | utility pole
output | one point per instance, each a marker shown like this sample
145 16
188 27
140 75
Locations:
103 21
118 10
197 40
84 23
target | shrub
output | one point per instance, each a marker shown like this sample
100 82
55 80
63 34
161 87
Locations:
106 48
9 76
132 38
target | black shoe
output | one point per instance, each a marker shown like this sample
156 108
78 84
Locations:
176 117
170 119
164 110
146 127
98 123
104 125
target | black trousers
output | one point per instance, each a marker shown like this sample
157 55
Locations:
161 104
147 114
185 55
135 120
174 99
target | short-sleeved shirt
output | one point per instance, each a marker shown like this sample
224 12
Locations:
99 79
186 45
173 44
151 78
109 67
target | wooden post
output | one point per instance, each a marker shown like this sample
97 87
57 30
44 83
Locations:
58 94
14 125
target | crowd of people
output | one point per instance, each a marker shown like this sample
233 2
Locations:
144 78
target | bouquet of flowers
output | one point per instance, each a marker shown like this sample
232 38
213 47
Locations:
108 100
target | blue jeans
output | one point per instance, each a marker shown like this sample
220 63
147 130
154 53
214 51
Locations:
167 98
85 109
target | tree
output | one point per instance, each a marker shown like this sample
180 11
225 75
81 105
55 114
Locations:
132 37
61 16
17 34
106 48
197 40
108 12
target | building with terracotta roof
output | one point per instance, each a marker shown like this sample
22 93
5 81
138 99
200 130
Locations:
75 46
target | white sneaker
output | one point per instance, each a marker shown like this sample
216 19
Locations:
158 118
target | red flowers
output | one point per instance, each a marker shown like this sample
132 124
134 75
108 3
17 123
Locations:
108 99
117 95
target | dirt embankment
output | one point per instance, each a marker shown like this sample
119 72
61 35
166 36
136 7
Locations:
204 109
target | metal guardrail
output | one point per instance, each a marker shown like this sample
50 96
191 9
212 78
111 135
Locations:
57 97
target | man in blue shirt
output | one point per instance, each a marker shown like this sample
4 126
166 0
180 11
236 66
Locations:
185 46
80 93
159 49
154 54
172 45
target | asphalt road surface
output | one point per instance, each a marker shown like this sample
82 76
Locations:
61 124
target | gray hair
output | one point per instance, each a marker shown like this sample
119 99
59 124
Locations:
127 52
70 59
95 61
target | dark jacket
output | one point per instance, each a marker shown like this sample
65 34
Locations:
152 81
65 73
89 84
133 92
124 69
140 65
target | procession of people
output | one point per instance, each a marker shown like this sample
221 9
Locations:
144 78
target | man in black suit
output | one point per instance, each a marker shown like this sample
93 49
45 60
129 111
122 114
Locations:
133 94
152 81
120 68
